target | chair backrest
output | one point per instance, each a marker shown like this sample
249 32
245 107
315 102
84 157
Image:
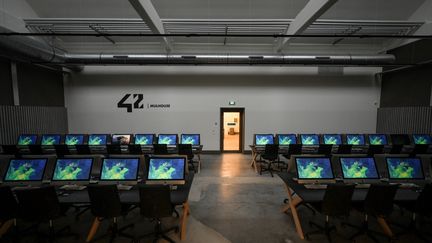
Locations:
325 149
294 149
104 200
113 149
344 149
337 199
155 201
35 149
83 149
8 204
424 201
38 204
379 199
375 149
396 149
135 149
420 149
10 149
185 149
160 149
271 151
61 150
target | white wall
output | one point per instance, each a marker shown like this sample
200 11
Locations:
276 100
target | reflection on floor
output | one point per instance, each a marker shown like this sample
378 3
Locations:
232 142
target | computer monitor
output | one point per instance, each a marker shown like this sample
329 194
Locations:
314 168
404 168
76 169
377 139
74 139
27 139
25 170
422 139
286 139
144 139
166 170
400 139
309 139
168 139
97 139
358 168
122 139
355 139
263 139
50 139
333 139
119 169
193 139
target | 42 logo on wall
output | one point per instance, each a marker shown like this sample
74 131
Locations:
134 103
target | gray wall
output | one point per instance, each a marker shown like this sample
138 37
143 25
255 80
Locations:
276 100
405 120
6 94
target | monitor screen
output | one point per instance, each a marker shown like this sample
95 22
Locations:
377 139
168 139
334 139
27 139
355 139
263 139
97 139
74 139
287 139
50 139
144 139
193 139
422 139
166 168
25 170
404 168
72 169
120 169
314 168
309 139
359 168
122 139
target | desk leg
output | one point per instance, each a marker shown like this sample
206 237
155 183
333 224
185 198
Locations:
183 220
5 227
293 201
253 163
93 229
384 226
199 163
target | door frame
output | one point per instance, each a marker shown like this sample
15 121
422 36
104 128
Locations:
241 110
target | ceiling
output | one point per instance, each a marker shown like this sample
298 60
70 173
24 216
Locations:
372 17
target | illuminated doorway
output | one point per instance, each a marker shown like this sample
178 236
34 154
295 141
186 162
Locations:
232 129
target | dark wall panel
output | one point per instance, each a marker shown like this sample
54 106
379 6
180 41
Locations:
39 86
6 93
15 120
404 120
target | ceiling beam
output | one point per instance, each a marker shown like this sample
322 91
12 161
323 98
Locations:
147 12
312 11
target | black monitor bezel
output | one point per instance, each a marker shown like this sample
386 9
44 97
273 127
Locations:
28 134
168 134
405 179
190 134
121 134
50 134
117 180
81 180
151 134
21 181
166 157
77 134
372 134
312 157
265 134
419 134
99 134
286 134
306 134
332 134
355 134
358 157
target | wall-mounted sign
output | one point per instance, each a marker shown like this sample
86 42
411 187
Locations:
135 101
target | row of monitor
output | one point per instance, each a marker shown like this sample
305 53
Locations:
160 169
316 168
103 139
338 139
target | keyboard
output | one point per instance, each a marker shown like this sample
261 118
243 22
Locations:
362 185
408 185
72 187
316 186
17 188
124 187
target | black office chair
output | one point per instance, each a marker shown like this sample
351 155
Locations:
378 203
396 149
160 149
336 203
419 209
83 149
61 150
113 149
105 204
35 149
10 149
8 207
39 205
325 149
420 149
344 149
186 149
155 203
135 149
375 149
270 155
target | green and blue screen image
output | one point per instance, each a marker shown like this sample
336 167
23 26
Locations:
25 170
309 139
359 168
166 169
100 139
72 169
355 139
193 139
334 139
119 169
74 139
314 168
377 139
27 139
168 139
422 139
287 139
404 168
144 139
50 139
263 139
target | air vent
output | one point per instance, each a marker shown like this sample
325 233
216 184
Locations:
322 58
189 57
256 57
121 57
